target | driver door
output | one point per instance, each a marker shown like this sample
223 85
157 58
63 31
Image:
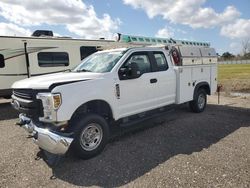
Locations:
136 94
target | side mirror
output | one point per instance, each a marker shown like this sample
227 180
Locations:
130 72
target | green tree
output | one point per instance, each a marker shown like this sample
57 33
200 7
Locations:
227 55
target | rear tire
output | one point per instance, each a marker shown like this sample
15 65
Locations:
200 101
91 135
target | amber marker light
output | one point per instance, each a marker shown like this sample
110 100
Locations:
57 101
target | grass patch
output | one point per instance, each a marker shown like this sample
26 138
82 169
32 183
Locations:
238 71
234 77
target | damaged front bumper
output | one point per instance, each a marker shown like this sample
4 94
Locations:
53 142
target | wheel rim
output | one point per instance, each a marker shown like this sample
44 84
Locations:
91 136
201 101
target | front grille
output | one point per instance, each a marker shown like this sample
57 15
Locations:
23 93
29 105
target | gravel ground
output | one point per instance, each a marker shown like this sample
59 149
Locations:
211 149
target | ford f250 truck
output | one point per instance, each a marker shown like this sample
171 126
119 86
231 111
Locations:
111 88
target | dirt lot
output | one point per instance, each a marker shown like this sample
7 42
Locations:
211 149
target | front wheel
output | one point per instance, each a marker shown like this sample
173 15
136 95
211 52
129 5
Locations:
200 101
91 136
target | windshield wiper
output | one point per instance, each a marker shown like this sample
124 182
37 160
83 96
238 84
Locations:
83 70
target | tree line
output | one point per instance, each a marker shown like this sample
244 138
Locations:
243 56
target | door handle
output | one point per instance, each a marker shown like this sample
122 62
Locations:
154 80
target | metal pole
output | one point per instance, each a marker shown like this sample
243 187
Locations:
218 91
27 59
218 97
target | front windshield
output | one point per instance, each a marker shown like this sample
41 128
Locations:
100 62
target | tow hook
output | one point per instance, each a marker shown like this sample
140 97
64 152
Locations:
22 120
25 123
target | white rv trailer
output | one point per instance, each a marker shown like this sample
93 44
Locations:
23 57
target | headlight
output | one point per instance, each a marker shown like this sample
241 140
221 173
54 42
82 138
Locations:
51 102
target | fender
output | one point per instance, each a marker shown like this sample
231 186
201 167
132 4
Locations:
204 85
100 107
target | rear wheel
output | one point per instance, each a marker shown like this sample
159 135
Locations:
200 101
91 135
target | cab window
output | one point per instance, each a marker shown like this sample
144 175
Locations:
137 64
142 62
161 61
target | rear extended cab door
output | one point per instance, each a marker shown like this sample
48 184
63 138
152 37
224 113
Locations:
156 86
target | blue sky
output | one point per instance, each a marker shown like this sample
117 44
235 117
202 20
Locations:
223 23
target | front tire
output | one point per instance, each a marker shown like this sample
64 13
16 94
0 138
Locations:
200 101
91 135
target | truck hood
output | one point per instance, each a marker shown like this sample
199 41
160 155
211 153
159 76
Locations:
50 80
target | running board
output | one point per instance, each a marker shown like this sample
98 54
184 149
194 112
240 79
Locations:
136 119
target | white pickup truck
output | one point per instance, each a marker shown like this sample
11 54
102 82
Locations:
111 88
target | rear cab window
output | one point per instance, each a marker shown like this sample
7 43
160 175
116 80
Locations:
161 61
